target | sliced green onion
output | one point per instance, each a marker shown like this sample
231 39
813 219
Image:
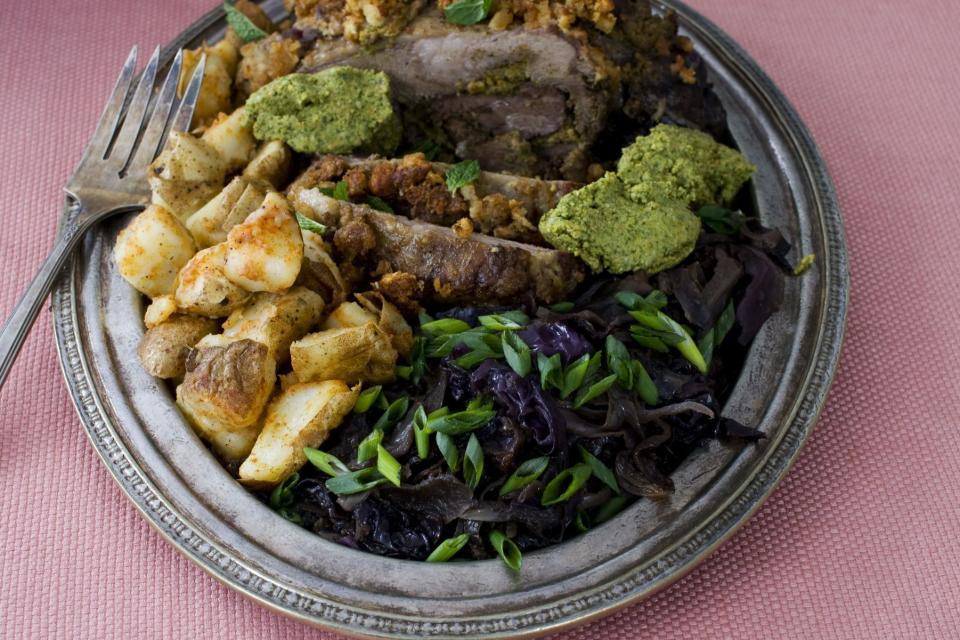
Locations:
506 549
600 471
509 321
659 321
393 414
610 508
444 327
643 384
367 449
516 352
359 481
565 484
388 466
366 399
574 375
328 463
706 346
473 462
525 474
551 371
282 494
449 451
461 421
725 322
420 434
562 307
448 548
586 394
582 522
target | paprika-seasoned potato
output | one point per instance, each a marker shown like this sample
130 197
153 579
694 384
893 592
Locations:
203 289
303 415
224 392
185 175
160 309
233 139
151 250
265 251
270 164
273 319
216 90
347 353
163 348
210 224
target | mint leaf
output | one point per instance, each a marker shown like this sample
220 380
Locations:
462 173
467 11
244 27
311 225
379 204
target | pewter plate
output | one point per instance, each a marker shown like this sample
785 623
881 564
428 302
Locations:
182 490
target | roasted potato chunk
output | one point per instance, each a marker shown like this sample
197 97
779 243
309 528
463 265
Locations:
265 251
159 310
216 90
348 353
163 349
224 392
186 175
233 139
151 250
203 289
211 223
389 320
273 319
303 415
266 60
319 272
349 314
270 164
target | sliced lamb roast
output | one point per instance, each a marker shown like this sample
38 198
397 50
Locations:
502 205
452 268
545 101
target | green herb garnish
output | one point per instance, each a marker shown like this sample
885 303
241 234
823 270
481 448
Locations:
610 508
393 414
551 371
725 322
388 466
379 204
706 345
461 421
428 148
473 462
565 484
525 474
562 307
328 463
516 353
579 371
509 321
420 434
311 225
462 173
366 399
444 326
281 498
448 548
242 25
506 549
367 449
586 394
654 324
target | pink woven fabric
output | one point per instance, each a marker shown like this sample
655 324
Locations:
859 542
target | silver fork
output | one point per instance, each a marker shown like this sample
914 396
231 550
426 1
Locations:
111 177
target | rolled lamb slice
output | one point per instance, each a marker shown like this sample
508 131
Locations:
498 204
504 98
454 269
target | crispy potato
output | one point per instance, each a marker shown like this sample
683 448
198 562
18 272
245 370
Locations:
233 139
163 348
301 416
319 272
265 251
390 320
216 90
265 60
224 392
273 319
151 250
186 175
159 310
211 223
349 314
348 353
270 164
203 289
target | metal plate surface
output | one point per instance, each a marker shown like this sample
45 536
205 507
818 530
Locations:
185 493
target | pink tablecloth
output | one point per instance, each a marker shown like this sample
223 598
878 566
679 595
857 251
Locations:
861 541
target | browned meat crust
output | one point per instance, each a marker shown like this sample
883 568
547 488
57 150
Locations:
454 270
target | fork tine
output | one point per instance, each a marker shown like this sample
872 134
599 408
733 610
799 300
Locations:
153 133
125 144
181 121
110 118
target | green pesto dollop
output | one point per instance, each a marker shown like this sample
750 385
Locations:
609 231
339 110
675 163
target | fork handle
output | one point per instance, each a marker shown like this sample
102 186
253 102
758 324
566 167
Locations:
18 325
